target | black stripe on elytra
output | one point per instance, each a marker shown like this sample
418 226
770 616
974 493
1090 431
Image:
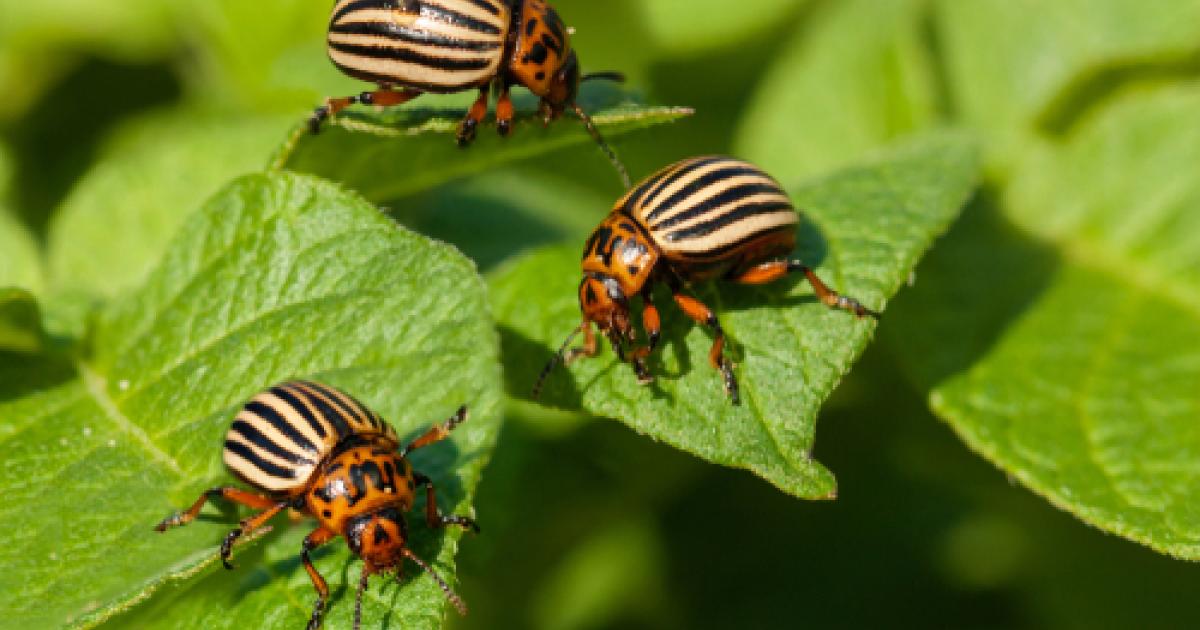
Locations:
281 424
432 88
717 252
352 408
669 178
699 183
410 7
267 468
286 395
410 56
364 414
715 203
487 5
451 16
255 437
391 32
341 428
740 213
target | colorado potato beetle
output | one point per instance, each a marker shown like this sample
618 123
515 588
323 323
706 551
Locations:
317 450
445 46
698 219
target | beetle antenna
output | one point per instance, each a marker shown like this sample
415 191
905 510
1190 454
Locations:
554 361
450 594
604 146
615 77
362 586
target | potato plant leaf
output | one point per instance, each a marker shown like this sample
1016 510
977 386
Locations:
1011 63
20 321
118 219
856 80
688 27
20 254
866 228
278 276
1090 395
410 148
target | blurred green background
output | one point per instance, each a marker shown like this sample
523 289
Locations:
587 525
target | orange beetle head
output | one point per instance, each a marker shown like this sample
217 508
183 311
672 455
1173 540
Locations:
604 302
564 87
378 538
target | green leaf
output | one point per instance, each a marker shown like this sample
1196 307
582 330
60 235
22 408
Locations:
494 215
267 55
856 78
117 221
866 229
20 256
279 276
20 321
1089 391
19 262
39 41
1008 62
388 155
683 27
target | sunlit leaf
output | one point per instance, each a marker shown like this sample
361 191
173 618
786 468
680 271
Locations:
278 276
690 26
1007 63
1089 390
856 79
118 220
867 227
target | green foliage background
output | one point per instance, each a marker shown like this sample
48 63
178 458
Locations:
1053 330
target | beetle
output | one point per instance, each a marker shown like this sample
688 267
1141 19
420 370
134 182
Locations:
709 217
410 47
317 450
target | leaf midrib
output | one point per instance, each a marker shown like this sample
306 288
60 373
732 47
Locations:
96 387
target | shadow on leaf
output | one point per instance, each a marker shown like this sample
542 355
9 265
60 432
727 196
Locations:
980 278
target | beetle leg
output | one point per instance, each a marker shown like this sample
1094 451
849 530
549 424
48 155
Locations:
236 495
437 432
433 516
318 537
504 112
383 97
247 525
771 271
704 316
475 115
652 324
588 349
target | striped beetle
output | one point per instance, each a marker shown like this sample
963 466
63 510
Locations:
319 451
698 219
444 46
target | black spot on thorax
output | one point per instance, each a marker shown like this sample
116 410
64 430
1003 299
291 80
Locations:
537 54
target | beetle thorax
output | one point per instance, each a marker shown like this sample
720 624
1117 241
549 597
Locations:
360 480
542 50
618 249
